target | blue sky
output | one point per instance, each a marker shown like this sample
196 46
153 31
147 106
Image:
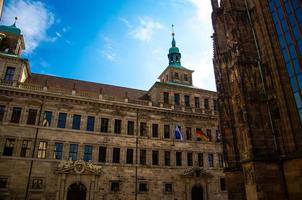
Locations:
119 42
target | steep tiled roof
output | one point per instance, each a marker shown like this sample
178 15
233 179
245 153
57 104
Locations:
84 86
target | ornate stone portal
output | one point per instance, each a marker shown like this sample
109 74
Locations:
86 173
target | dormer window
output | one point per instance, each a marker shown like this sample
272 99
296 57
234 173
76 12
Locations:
9 75
176 75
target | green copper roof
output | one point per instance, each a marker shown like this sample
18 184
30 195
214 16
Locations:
10 29
180 84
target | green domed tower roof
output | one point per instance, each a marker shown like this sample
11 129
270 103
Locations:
174 54
11 29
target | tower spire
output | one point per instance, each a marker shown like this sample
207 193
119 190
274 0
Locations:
173 34
174 54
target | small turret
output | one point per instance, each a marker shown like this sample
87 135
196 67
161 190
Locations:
174 54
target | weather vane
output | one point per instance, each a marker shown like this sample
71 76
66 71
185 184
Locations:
173 34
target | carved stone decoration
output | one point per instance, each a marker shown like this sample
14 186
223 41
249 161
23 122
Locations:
78 167
196 172
249 175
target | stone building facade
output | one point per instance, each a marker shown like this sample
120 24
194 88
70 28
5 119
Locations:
71 139
258 64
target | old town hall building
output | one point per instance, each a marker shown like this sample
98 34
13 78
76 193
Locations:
70 139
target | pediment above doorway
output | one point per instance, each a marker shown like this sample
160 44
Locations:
78 167
196 172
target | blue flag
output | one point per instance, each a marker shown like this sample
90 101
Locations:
178 134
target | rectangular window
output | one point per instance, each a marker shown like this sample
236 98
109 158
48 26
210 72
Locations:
200 159
176 75
116 155
218 136
211 160
90 123
166 98
9 75
104 125
187 100
188 133
143 129
178 159
196 101
185 77
154 130
47 118
87 153
58 151
155 157
222 184
220 160
16 115
62 120
102 154
117 126
215 105
206 104
168 188
76 122
176 99
209 134
166 131
37 184
2 111
73 152
9 147
115 186
190 159
32 115
42 149
24 148
143 187
129 158
3 183
130 128
167 158
142 156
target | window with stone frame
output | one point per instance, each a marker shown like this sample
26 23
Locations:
62 120
47 118
76 122
25 147
37 184
115 186
3 182
87 153
143 156
196 102
187 100
166 97
2 111
116 155
31 117
166 131
117 126
143 129
90 123
102 154
215 105
168 188
58 151
142 187
176 99
42 149
206 104
186 77
130 128
16 115
154 130
188 133
155 157
73 152
176 75
222 184
220 160
211 160
218 136
209 134
9 147
9 74
167 158
178 156
190 159
200 159
129 156
104 125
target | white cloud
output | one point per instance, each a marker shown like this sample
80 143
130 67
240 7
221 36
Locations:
125 21
203 9
146 29
108 50
34 19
